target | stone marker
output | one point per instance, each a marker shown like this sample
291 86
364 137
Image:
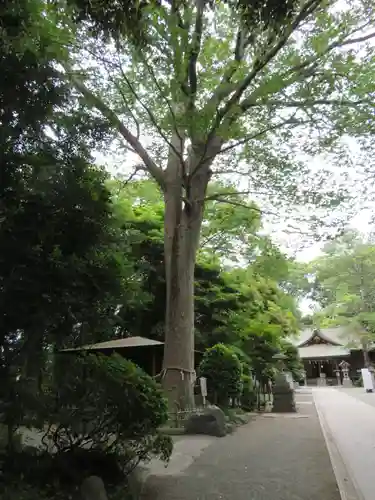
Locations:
93 489
210 422
283 396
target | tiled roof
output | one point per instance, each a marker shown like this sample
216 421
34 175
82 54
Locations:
323 351
341 335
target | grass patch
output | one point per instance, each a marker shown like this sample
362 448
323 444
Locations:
236 416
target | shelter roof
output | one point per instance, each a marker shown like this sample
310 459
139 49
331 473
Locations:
118 344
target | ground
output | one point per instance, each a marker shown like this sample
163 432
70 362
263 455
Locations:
281 457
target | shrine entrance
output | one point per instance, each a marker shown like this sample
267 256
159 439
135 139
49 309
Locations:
318 367
323 371
323 359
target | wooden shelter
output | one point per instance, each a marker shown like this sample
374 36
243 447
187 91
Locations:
146 353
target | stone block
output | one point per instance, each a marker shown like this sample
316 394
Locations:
283 396
347 382
210 422
93 489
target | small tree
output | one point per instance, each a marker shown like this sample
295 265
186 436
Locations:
223 371
293 362
248 396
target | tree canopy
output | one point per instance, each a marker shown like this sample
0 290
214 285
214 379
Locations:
342 283
218 103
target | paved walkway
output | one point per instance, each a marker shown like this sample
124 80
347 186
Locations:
280 457
348 415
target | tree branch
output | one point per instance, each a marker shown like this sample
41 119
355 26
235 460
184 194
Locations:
298 69
150 113
194 50
225 87
259 64
137 168
111 116
206 240
164 97
107 63
251 137
232 202
262 212
214 197
318 102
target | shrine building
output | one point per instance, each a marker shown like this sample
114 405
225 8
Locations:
331 354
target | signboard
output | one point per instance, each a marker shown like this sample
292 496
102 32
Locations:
368 380
203 384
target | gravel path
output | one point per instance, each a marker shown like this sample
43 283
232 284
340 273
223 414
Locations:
271 458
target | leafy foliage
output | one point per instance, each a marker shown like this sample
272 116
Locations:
60 273
223 372
260 87
100 417
223 90
342 285
248 397
228 304
292 362
105 403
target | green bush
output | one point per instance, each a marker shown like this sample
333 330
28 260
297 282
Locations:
102 415
292 362
59 474
107 404
248 396
223 371
23 491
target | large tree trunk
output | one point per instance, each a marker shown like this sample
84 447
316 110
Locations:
184 206
366 356
179 321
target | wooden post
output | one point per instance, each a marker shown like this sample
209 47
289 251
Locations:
153 368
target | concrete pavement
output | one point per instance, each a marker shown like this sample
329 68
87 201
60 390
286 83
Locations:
348 421
273 457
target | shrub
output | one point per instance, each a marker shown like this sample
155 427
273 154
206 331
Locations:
248 396
293 362
58 475
223 371
101 414
106 404
23 491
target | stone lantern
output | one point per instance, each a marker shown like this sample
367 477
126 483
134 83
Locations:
280 361
346 381
283 393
